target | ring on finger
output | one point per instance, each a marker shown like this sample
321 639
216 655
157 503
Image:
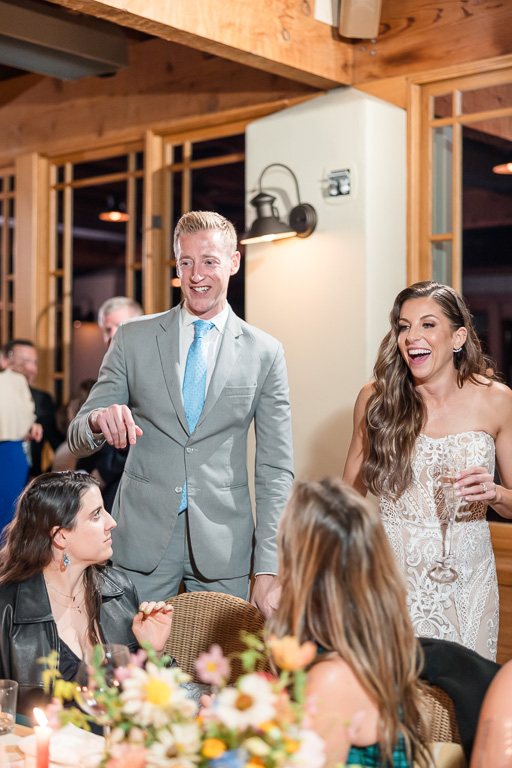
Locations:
484 487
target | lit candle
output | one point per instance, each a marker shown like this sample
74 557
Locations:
43 733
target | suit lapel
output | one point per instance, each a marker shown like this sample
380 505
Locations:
226 358
168 341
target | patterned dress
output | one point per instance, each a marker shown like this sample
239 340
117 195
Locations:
465 611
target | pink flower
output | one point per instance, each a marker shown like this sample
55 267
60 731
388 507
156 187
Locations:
213 667
126 756
138 659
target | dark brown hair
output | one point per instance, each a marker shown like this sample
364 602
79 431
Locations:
50 501
341 588
395 410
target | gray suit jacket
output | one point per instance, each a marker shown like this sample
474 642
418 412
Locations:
141 370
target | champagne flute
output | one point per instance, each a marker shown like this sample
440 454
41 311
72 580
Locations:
93 695
453 460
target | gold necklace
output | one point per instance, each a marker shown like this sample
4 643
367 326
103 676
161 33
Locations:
69 597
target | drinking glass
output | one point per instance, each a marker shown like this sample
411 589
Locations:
91 695
8 699
453 460
493 746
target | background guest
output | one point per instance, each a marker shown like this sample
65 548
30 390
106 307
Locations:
432 385
17 416
342 590
22 357
115 311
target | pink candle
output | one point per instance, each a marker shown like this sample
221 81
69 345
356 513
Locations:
43 733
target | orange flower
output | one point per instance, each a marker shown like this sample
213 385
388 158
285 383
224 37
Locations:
213 748
288 654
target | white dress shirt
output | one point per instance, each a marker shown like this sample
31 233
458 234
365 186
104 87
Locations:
211 341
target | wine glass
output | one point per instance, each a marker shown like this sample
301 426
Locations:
493 746
93 695
453 460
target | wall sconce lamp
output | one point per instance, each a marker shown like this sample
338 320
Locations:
267 225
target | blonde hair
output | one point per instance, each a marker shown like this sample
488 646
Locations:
341 588
395 410
203 221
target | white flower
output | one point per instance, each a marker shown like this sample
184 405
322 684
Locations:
248 705
311 752
150 696
177 745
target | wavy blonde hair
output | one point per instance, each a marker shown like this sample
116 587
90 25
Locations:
395 411
341 588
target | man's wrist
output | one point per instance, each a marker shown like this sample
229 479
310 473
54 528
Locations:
92 420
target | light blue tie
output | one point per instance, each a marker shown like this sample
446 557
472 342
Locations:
194 383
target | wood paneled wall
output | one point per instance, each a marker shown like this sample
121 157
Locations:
501 534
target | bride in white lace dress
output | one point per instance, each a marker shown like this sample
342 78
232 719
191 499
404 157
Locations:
432 382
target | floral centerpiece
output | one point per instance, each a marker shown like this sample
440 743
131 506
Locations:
259 722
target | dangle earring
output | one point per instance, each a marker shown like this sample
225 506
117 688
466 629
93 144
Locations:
458 350
65 559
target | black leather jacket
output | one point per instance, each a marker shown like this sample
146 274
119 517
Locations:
28 630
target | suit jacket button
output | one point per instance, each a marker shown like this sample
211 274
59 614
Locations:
178 489
189 450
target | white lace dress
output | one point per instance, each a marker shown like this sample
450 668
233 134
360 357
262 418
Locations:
467 610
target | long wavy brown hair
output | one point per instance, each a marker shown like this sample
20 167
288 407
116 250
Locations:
341 588
49 502
395 410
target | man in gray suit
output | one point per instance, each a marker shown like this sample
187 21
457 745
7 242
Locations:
183 395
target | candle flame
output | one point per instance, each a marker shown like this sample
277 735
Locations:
40 716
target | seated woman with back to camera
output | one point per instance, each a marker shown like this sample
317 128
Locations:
342 589
56 591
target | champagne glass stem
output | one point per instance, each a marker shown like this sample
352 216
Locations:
107 730
449 533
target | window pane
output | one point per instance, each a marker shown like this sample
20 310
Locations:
490 97
443 105
442 263
225 145
442 180
93 168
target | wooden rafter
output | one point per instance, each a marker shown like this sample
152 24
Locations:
278 36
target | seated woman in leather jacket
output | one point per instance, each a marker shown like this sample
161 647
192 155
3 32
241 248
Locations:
56 592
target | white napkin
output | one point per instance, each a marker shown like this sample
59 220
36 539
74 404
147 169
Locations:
68 746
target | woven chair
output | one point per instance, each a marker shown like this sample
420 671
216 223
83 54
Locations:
203 618
441 724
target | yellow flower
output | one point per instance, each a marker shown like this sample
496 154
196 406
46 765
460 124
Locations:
254 762
157 692
267 726
288 654
213 748
291 746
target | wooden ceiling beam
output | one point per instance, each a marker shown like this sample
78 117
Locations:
278 36
418 35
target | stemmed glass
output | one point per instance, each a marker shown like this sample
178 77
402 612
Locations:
453 460
92 695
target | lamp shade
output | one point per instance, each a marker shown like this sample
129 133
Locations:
266 226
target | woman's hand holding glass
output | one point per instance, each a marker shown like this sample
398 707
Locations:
152 624
475 484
